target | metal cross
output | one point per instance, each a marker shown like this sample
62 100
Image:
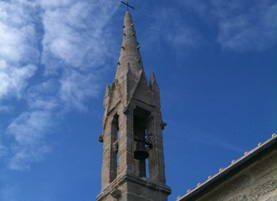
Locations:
127 4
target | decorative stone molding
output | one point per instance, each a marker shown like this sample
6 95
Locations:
116 193
100 138
163 124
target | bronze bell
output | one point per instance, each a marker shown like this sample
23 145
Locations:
141 153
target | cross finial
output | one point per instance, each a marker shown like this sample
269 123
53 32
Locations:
127 4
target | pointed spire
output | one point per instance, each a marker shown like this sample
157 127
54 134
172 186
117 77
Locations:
129 55
155 89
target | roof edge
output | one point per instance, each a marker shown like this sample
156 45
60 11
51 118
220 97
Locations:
232 167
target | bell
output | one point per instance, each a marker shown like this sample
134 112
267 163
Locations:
141 153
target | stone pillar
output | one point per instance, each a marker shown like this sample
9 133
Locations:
125 157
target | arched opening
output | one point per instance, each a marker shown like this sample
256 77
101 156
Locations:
141 141
114 148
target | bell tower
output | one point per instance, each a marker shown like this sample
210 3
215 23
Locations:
133 158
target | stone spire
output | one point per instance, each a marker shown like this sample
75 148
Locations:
130 76
129 58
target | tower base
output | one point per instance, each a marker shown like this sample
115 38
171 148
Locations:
131 187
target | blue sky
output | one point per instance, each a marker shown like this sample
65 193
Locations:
215 62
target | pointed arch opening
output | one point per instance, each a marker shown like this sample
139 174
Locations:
114 149
142 143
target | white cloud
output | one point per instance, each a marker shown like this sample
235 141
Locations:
54 4
24 157
28 128
198 6
51 58
184 36
18 53
6 108
44 95
254 29
62 38
243 26
77 87
74 34
74 43
170 27
29 132
14 79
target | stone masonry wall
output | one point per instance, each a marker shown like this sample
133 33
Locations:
258 182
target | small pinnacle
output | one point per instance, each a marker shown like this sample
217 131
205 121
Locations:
245 153
209 177
188 190
118 63
233 161
259 144
123 47
198 184
220 169
132 24
274 135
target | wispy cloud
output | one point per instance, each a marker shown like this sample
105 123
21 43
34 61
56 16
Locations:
29 131
18 53
60 46
242 25
3 149
254 28
8 192
170 27
216 141
64 38
74 46
77 87
74 34
6 108
202 137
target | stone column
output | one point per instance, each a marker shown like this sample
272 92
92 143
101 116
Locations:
126 151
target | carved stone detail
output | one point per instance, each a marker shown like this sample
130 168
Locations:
116 193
